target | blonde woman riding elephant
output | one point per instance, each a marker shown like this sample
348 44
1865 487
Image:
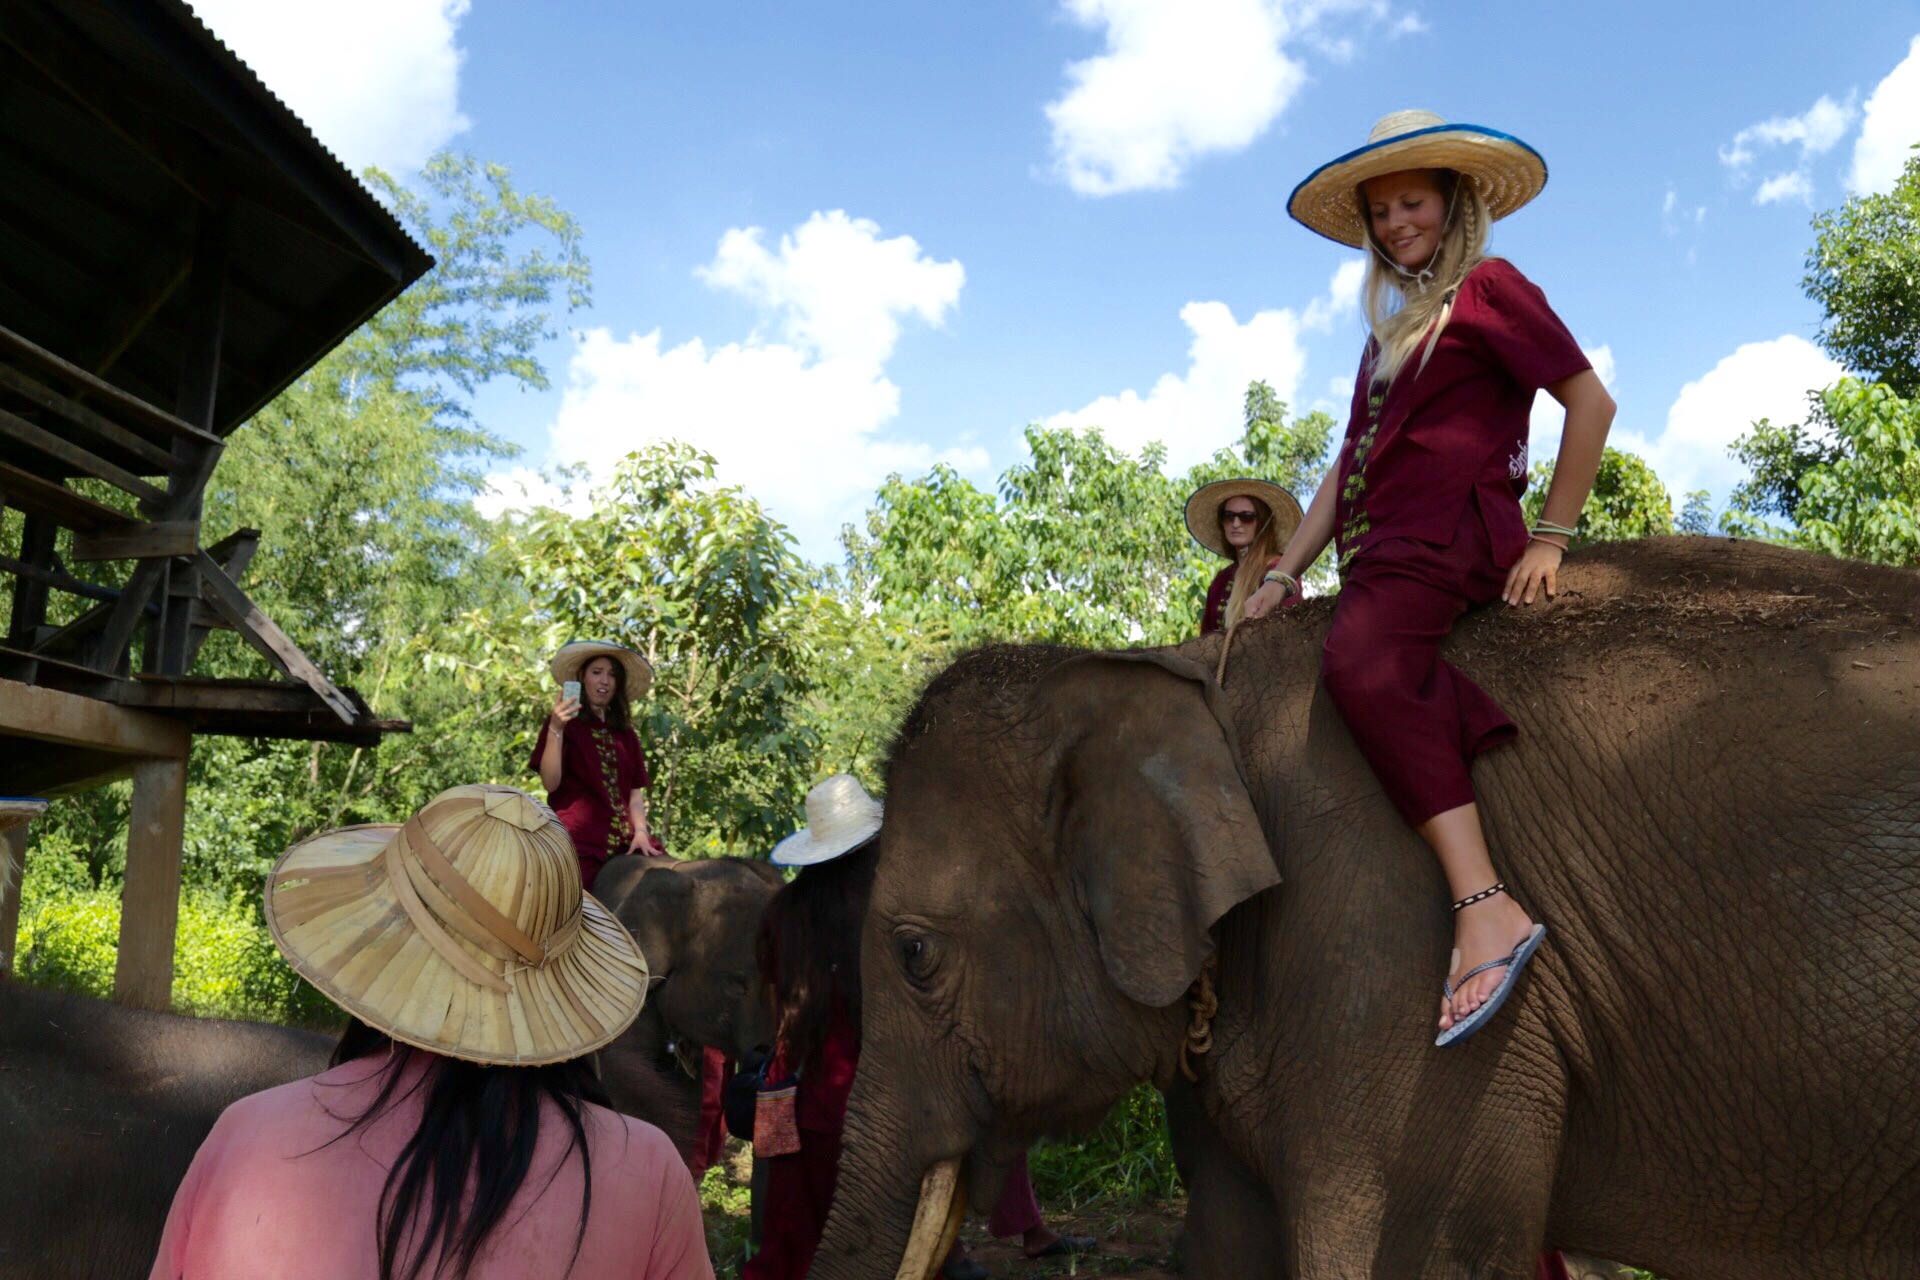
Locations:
1709 1070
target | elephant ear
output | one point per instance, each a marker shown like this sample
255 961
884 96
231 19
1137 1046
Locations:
1150 811
654 910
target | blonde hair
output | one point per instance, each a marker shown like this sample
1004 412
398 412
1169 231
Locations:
1252 564
1401 318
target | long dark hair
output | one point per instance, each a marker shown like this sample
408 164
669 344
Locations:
809 950
459 1172
618 716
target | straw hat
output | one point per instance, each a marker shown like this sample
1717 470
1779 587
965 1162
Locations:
1506 170
841 817
1203 511
463 931
575 655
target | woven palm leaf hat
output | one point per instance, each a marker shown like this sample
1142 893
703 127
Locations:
1506 170
463 931
575 655
1203 511
841 817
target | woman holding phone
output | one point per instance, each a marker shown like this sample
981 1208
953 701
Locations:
591 765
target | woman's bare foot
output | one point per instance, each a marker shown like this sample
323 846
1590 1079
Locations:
1487 930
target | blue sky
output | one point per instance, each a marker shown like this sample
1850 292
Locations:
833 241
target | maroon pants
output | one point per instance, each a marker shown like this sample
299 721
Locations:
1416 719
799 1193
1017 1211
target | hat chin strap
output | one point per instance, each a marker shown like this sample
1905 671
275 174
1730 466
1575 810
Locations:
1425 273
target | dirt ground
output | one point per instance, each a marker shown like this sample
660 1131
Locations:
1133 1242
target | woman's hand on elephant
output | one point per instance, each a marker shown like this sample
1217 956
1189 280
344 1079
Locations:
1264 601
1536 570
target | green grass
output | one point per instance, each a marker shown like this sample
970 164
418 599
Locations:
1126 1162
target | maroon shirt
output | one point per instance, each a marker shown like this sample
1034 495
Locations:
1411 461
592 756
1214 617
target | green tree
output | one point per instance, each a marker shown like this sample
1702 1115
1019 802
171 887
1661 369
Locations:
702 581
1628 500
1849 481
1864 271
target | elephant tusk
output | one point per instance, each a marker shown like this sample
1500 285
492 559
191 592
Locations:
936 1223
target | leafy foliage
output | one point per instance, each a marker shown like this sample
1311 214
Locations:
1849 480
703 582
1628 500
1128 1160
1864 271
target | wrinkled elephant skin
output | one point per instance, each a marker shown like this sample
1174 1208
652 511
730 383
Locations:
1709 1070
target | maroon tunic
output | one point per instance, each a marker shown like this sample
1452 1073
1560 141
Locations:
1428 523
1414 456
600 768
1214 617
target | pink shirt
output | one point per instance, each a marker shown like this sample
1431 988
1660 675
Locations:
264 1197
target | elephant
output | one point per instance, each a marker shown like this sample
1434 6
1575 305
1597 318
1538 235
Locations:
102 1108
1095 865
696 922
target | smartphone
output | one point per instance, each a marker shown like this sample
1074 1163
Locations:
571 688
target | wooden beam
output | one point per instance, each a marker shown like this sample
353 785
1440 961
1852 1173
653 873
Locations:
259 631
233 554
83 461
54 500
150 894
86 419
33 573
30 596
14 817
49 715
128 406
139 542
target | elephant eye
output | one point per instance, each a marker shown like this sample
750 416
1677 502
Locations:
915 954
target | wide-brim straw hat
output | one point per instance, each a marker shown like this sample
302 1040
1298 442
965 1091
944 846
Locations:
841 817
574 656
1506 170
1203 511
463 931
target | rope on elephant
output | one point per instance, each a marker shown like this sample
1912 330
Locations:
1202 1004
1226 647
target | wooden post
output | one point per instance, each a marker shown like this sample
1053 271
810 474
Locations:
13 869
150 899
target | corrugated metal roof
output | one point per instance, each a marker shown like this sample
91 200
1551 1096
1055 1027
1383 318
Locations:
122 124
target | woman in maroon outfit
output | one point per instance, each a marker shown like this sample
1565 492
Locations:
591 765
1425 502
1248 522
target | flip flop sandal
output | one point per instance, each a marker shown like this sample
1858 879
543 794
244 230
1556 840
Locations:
1066 1244
1514 963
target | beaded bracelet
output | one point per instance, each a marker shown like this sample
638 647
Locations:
1276 575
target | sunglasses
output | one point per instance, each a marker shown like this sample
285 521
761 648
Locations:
1239 517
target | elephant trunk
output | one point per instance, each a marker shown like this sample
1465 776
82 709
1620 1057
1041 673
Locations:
897 1207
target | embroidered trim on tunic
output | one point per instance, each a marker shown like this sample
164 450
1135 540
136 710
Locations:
620 831
1357 523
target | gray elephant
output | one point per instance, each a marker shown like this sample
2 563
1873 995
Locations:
1709 1071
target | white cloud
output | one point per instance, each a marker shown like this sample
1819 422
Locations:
1816 131
1890 128
523 489
1198 411
1794 185
1180 79
795 420
1759 380
1408 24
378 81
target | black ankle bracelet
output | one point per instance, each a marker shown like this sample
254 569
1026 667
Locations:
1470 899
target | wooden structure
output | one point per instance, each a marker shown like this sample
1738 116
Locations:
175 249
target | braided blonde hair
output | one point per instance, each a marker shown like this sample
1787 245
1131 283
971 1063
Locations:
1402 318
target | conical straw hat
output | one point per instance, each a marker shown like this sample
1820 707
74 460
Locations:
841 817
1506 170
462 931
1203 511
